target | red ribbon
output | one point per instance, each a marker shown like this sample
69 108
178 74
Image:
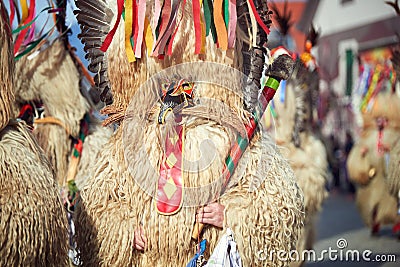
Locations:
259 20
134 23
165 17
12 11
197 25
22 35
111 34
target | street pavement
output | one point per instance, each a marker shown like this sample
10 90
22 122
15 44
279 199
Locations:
347 241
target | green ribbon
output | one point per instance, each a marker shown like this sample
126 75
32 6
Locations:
17 30
31 47
226 13
207 16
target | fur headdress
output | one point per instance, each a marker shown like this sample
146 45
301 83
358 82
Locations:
153 31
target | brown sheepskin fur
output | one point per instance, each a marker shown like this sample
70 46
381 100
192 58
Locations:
264 205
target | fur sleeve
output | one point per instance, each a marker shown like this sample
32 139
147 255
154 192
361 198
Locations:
266 216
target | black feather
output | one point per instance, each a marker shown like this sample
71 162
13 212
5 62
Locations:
94 18
313 35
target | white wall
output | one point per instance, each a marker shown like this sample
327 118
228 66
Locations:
332 16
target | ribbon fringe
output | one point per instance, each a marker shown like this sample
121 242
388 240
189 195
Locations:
371 82
26 37
216 16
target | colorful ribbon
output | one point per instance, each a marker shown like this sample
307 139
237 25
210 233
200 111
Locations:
12 11
28 19
207 16
149 40
141 9
232 24
24 26
219 17
110 35
371 88
197 25
24 9
130 11
257 16
171 41
222 35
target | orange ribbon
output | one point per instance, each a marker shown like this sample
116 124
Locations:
220 25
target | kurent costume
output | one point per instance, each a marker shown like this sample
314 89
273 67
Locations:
50 96
33 224
293 117
370 159
393 177
171 152
373 162
52 80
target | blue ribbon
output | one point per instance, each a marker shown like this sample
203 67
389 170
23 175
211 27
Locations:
193 261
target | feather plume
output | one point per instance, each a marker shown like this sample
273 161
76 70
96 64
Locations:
253 57
313 35
94 17
306 86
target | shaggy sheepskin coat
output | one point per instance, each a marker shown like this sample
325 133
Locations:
33 224
263 204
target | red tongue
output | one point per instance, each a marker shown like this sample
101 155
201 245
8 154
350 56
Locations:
381 122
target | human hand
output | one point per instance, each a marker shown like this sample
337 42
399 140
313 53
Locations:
212 214
140 240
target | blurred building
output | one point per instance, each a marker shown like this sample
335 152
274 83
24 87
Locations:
350 29
347 28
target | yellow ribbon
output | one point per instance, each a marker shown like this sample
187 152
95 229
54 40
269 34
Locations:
25 10
148 33
128 31
203 32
